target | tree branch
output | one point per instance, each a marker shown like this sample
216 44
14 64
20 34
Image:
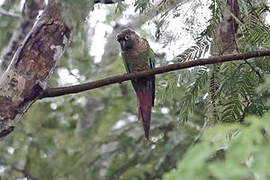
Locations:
54 92
32 65
34 61
9 14
104 1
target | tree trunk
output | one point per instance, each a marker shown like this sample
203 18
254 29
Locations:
30 13
32 66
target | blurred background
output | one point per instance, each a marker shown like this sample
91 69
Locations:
209 122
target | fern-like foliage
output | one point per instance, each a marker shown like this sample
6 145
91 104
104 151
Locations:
195 92
236 152
196 51
235 83
141 5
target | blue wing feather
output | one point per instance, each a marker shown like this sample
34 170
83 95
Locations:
152 65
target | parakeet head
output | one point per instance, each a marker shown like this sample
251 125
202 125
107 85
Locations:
127 39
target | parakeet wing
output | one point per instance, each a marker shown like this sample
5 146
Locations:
151 59
152 65
125 63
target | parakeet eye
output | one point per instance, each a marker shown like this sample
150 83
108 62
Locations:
126 37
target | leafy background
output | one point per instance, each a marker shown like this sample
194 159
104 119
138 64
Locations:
95 134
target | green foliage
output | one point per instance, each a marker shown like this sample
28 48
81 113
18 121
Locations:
6 27
228 151
95 134
238 92
141 5
194 81
235 96
196 51
120 6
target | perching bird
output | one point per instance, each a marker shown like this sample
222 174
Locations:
138 56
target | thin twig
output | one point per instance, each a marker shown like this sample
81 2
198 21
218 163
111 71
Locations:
9 14
60 91
255 70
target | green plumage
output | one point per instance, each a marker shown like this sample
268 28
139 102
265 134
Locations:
145 60
138 56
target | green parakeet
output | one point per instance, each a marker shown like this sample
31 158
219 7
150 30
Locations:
138 56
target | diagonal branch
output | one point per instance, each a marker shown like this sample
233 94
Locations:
54 92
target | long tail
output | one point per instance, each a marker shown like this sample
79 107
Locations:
145 90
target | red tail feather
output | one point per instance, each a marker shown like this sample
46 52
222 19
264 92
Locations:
145 90
144 108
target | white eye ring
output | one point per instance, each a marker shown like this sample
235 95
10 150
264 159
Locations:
126 37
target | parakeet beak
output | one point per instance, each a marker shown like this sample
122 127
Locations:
123 44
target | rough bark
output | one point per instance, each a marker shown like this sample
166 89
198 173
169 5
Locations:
30 12
227 29
32 66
